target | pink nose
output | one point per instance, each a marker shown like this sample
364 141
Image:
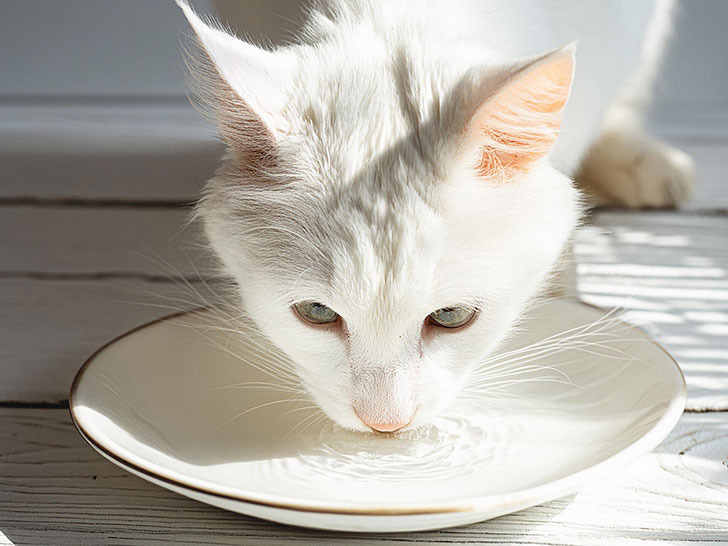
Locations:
384 427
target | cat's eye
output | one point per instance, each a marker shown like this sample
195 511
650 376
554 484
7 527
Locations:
452 317
315 313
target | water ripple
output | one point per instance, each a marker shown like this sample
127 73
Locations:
451 447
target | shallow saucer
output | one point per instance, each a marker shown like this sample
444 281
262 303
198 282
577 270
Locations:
183 402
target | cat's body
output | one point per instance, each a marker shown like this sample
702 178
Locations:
397 167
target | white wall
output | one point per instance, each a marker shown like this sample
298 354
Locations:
131 47
696 70
91 47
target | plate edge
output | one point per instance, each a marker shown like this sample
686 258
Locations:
668 419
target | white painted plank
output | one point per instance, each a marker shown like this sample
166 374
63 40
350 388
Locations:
153 241
670 273
689 118
56 490
134 150
49 328
166 150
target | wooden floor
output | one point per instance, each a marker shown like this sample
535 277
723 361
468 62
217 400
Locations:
85 262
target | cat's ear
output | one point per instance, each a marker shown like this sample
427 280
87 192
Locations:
242 85
518 121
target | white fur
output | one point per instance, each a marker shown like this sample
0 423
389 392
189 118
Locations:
361 192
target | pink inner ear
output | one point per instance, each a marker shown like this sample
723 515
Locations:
521 122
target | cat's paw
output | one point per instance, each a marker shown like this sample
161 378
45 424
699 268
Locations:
635 170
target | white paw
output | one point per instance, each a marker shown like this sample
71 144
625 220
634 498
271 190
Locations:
634 170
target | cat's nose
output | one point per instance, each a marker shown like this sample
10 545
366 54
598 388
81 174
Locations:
384 427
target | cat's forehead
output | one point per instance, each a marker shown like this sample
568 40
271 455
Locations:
352 109
387 244
344 132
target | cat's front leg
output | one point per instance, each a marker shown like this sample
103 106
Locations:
627 167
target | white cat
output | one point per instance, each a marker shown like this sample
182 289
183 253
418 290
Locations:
394 194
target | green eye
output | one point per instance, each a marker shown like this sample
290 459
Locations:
316 313
452 317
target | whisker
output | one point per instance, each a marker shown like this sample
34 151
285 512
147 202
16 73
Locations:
254 408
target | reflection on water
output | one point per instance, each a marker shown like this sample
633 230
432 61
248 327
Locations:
447 448
450 457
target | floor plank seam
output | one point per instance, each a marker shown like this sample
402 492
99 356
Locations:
103 276
123 203
83 202
17 404
702 212
64 404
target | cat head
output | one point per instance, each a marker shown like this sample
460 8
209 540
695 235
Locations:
386 219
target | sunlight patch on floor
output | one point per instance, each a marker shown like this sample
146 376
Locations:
670 277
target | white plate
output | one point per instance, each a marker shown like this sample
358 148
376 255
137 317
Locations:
158 402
